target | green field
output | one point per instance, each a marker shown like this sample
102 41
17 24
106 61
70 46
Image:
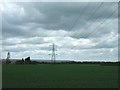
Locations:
60 76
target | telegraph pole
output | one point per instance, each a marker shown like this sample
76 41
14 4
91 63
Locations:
53 57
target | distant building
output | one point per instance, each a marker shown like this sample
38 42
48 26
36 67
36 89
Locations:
27 60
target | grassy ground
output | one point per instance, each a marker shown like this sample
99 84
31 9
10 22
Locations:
60 76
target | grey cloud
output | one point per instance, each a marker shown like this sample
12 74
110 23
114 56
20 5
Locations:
60 15
45 20
9 30
25 47
53 16
66 14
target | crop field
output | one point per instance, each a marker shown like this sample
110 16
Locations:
60 76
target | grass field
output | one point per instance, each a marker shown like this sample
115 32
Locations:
60 76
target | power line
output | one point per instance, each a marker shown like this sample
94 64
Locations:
97 18
77 19
83 11
97 27
89 17
95 11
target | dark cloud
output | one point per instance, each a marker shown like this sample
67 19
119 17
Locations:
62 15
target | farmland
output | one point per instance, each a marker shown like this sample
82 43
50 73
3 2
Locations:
60 76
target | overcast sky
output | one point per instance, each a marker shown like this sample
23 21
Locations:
81 30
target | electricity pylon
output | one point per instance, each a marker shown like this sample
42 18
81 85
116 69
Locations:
8 58
8 55
53 55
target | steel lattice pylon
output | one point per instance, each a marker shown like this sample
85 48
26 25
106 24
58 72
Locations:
53 57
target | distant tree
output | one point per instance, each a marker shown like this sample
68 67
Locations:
8 61
19 62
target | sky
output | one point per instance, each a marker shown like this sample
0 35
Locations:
81 30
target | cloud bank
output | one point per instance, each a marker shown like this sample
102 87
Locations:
81 30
